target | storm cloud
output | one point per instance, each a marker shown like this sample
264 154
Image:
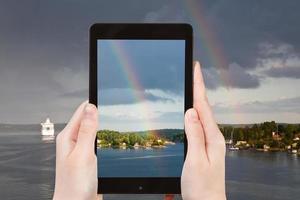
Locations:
147 64
44 47
233 77
284 72
279 61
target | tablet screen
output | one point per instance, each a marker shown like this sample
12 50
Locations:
141 107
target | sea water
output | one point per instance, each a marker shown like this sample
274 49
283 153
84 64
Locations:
153 162
27 168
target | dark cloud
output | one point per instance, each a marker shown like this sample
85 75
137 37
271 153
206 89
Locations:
284 72
279 61
44 54
240 26
233 77
30 95
146 64
166 13
267 49
211 78
39 39
239 78
55 33
234 28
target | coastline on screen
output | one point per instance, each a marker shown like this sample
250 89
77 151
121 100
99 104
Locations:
141 108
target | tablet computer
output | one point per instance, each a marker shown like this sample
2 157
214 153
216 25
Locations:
141 82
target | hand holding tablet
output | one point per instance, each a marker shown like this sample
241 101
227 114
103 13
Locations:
203 171
203 175
75 176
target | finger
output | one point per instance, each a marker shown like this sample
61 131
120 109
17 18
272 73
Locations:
67 138
88 129
195 135
99 197
71 129
214 138
201 103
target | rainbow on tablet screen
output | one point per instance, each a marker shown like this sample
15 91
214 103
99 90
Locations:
141 107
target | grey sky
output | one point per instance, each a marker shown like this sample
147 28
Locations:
44 52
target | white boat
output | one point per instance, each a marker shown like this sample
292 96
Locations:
294 151
233 148
136 146
47 128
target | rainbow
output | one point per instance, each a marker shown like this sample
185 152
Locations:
208 38
126 64
211 45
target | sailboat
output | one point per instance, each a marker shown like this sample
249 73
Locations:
232 147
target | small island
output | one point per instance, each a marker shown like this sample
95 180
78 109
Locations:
139 140
264 137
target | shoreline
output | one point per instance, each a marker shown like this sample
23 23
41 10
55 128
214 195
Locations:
270 150
137 147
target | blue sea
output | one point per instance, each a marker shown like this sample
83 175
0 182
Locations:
27 168
155 162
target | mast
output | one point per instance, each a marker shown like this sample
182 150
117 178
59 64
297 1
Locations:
231 136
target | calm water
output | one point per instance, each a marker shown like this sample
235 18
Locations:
141 163
27 170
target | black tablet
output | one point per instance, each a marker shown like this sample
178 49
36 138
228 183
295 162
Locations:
141 82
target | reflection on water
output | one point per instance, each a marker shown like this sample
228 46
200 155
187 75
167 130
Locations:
48 138
26 166
262 175
27 171
145 157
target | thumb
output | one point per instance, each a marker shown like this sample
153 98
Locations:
195 135
88 129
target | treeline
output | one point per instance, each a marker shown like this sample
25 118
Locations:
258 135
173 135
115 138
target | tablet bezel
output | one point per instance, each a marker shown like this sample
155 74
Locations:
141 185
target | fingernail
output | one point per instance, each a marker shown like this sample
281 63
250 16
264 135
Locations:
89 110
193 115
